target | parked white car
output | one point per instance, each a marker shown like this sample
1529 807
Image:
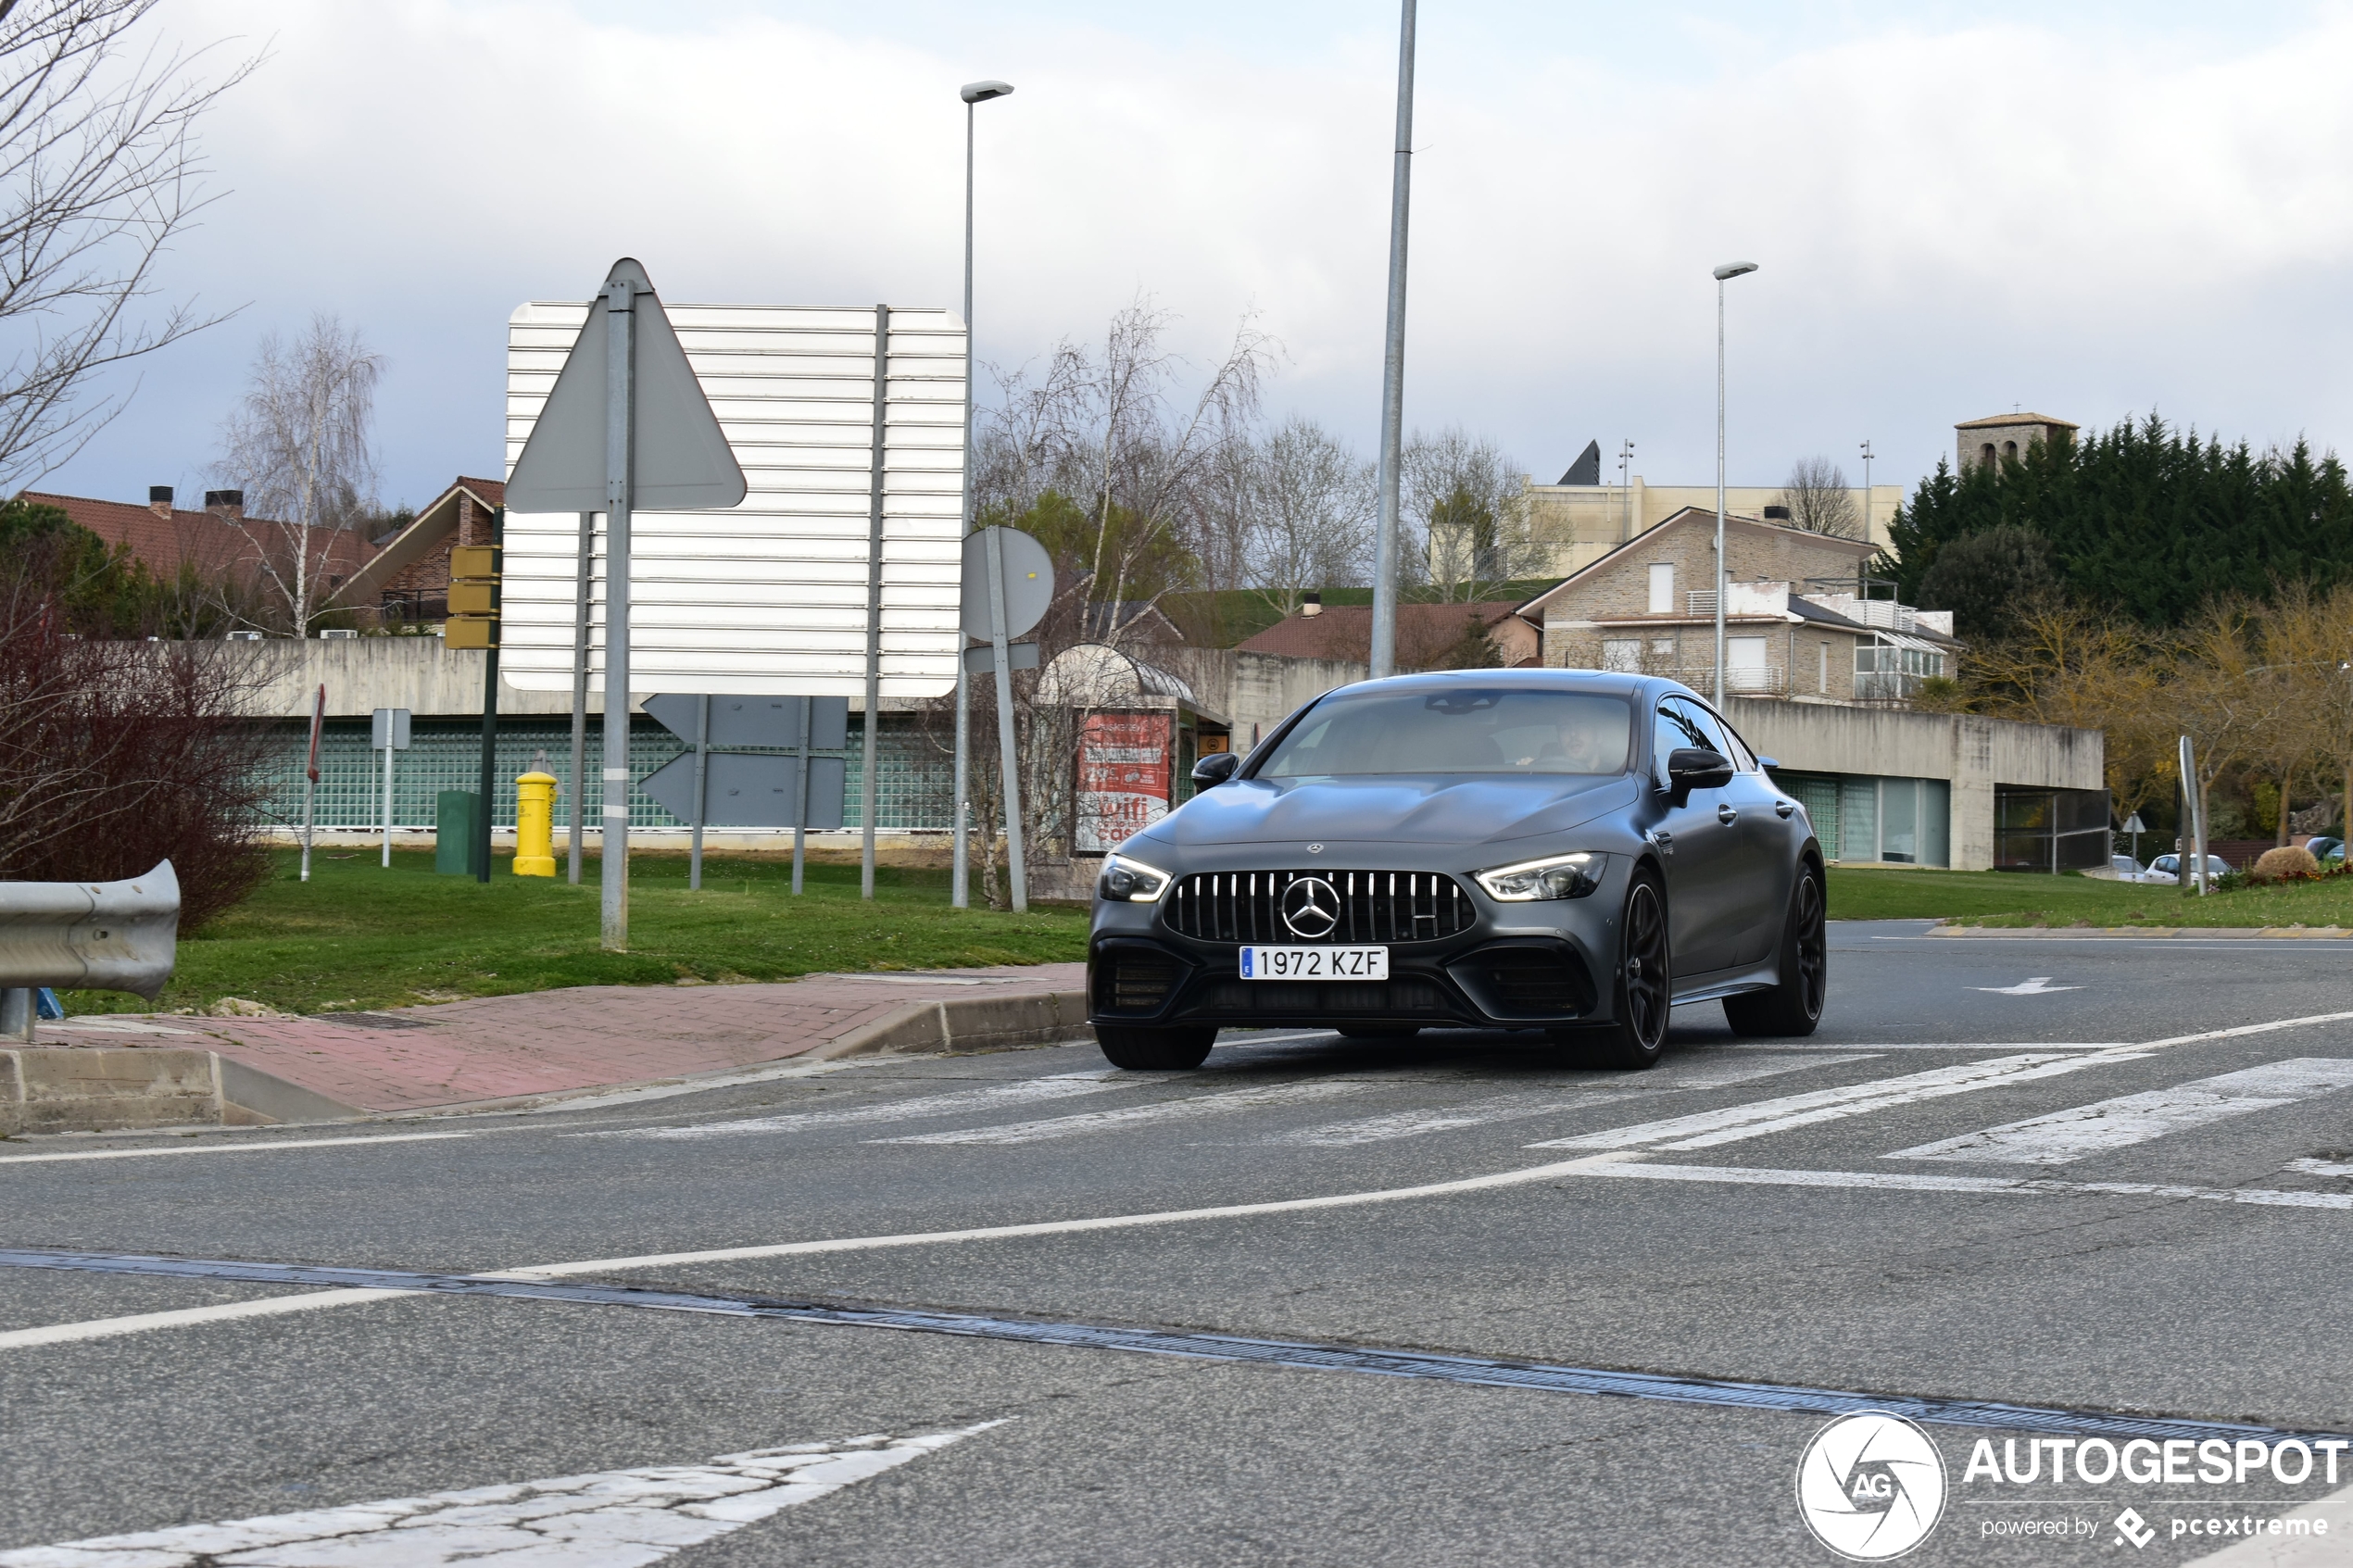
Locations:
2167 868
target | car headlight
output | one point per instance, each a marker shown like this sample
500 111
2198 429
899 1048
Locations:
1556 876
1131 880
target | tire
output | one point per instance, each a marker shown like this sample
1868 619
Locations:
1154 1050
1644 992
1795 1006
1378 1030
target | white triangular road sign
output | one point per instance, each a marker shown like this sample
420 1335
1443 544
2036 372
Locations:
683 461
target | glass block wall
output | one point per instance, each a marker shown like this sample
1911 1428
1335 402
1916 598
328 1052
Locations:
911 791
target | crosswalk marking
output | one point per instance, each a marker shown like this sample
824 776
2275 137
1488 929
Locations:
1059 1087
1145 1115
1634 1168
1708 1128
2065 1135
1519 1107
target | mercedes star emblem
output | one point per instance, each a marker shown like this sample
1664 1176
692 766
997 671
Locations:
1311 908
1315 849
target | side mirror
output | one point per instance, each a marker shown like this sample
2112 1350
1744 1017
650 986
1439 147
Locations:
1215 768
1691 767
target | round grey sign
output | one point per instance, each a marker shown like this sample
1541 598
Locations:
1029 582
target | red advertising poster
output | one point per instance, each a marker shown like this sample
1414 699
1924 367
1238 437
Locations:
1123 777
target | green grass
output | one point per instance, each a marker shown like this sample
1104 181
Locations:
2018 899
358 936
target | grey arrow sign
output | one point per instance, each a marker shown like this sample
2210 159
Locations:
752 790
683 461
755 721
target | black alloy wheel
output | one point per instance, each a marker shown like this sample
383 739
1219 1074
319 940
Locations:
1154 1050
1795 1006
1645 987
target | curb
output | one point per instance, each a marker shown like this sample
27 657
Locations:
123 1088
2155 932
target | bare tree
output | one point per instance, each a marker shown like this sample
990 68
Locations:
1470 500
298 447
99 172
1818 499
1311 507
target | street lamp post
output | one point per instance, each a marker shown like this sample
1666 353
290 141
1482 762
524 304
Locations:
1724 274
960 881
1383 652
1626 489
1866 492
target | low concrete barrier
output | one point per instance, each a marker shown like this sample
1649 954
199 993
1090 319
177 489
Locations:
92 1089
967 1023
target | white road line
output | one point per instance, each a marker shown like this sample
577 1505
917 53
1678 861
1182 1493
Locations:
612 1519
1933 1045
1692 1078
1059 1087
1893 1181
2318 1545
1144 1115
1732 1123
106 1328
2321 1167
226 1148
2066 1136
2245 1029
2039 986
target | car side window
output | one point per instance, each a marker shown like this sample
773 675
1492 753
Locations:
1742 758
1671 732
1702 725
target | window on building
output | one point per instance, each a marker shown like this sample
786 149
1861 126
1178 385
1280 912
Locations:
1823 680
1985 453
1883 670
1744 667
2009 450
1663 588
1624 654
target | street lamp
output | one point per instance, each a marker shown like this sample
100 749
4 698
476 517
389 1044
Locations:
1625 489
960 881
1724 274
1866 492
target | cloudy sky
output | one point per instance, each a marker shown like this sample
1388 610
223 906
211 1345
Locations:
2106 210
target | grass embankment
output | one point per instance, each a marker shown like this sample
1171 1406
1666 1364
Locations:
358 936
2023 899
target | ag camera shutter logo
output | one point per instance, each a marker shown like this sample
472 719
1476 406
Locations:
1870 1487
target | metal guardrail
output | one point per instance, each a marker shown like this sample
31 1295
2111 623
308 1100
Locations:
85 935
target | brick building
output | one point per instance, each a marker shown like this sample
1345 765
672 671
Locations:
1426 634
218 544
408 580
1799 621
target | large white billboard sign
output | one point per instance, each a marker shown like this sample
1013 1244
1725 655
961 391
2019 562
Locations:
768 597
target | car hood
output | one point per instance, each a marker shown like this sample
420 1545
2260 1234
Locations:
1425 808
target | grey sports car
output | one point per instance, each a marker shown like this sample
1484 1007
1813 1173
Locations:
1572 852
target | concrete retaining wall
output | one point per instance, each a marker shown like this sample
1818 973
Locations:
1972 753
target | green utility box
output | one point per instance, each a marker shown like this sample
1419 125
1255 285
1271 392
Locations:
457 824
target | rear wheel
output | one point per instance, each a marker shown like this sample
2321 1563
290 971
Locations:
1795 1006
1154 1050
1644 990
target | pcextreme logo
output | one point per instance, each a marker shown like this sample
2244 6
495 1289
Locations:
1870 1485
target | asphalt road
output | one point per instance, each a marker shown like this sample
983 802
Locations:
1854 1221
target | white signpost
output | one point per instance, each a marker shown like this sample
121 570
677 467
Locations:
387 733
624 421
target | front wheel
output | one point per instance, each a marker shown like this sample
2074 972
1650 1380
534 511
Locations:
1645 991
1154 1050
1795 1006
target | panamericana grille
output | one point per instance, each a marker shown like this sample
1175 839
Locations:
1374 905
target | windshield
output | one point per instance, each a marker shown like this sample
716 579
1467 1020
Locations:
1461 730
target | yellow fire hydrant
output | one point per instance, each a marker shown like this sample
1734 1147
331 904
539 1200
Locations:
535 826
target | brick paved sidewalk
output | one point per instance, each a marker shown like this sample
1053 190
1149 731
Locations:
546 1042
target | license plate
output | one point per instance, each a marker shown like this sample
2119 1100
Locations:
1315 963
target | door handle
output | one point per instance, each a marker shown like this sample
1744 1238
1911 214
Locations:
1727 816
1783 809
1665 841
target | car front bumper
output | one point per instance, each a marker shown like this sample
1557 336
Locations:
1546 963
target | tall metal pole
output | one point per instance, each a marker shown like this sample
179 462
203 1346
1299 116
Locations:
1626 488
1010 759
800 790
1866 492
311 776
490 718
388 861
958 880
620 353
867 794
702 790
582 586
1393 393
1720 492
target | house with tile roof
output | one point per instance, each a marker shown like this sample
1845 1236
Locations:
1426 634
408 580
